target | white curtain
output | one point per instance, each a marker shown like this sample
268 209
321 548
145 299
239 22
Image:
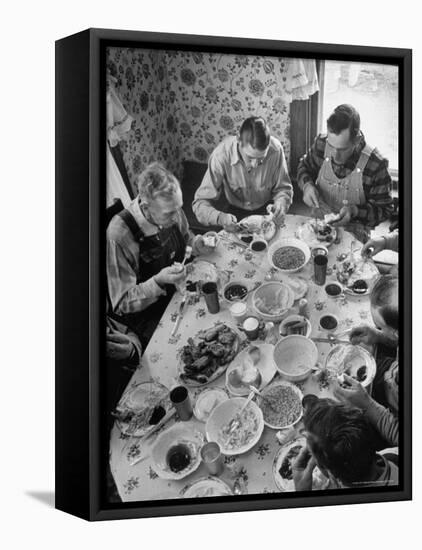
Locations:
118 124
302 79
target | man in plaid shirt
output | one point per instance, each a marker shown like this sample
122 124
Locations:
342 174
145 245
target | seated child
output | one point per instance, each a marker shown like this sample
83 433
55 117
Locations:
381 410
341 443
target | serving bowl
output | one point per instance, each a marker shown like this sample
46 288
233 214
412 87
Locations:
295 394
221 417
295 356
274 294
289 242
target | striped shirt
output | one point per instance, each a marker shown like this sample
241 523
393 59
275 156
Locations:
123 263
248 189
376 179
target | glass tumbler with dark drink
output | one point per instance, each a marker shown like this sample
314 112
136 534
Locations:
179 396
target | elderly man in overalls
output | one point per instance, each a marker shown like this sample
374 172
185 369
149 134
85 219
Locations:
146 244
344 175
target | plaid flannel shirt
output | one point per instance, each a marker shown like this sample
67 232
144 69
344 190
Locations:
122 260
376 179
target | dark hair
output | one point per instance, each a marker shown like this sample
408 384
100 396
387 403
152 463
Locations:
344 116
384 297
255 131
341 440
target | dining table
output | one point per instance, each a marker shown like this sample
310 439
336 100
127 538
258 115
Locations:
130 459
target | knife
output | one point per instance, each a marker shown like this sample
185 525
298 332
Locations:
330 340
179 315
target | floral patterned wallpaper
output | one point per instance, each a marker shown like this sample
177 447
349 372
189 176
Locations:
185 103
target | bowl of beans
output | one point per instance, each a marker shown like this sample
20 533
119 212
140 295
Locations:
235 291
289 255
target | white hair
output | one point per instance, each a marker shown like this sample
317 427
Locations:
155 181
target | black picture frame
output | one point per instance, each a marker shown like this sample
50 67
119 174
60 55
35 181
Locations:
80 209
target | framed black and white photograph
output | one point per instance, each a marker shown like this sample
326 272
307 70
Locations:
233 274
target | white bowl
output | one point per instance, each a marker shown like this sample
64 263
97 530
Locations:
291 319
178 433
230 284
223 414
299 394
295 356
289 241
347 357
270 293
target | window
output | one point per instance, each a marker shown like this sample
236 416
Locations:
373 90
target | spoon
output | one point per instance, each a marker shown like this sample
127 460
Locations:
235 422
263 397
188 254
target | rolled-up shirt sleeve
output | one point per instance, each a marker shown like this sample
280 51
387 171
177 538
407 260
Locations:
310 164
392 241
209 190
282 190
384 421
125 294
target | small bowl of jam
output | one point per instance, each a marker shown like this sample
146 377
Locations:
328 322
235 291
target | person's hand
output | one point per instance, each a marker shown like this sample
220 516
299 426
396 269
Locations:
278 211
311 196
346 215
355 394
201 247
119 346
170 275
302 470
372 247
228 222
364 335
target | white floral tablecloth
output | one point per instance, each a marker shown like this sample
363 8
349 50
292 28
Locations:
159 362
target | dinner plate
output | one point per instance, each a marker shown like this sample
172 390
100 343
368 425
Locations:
363 270
142 396
180 434
221 417
220 369
206 487
266 367
206 402
298 398
307 233
254 223
319 481
201 271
